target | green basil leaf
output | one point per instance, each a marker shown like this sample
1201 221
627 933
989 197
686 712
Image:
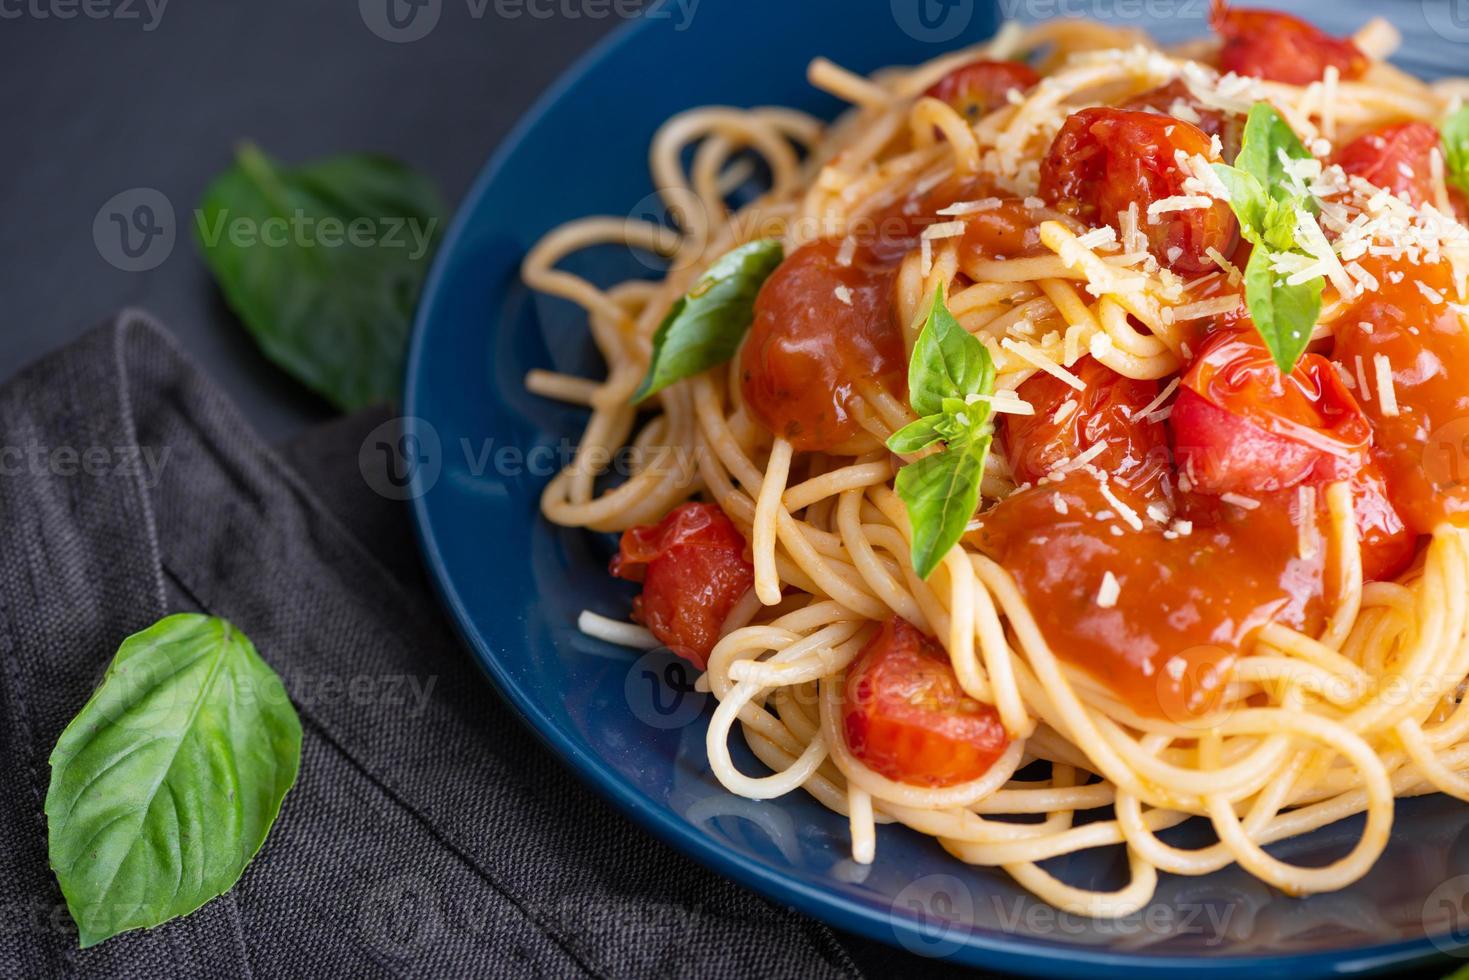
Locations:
1247 198
941 493
323 264
166 784
1284 315
1278 229
1266 136
1456 149
948 362
915 436
706 325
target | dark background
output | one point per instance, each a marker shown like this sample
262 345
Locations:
94 107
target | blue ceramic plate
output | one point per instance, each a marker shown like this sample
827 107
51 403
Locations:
632 726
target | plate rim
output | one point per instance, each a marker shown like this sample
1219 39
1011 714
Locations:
976 949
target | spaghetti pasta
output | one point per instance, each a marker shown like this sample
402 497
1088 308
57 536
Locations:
1344 696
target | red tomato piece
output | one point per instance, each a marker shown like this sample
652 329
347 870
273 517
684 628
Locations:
1423 446
1175 99
981 87
822 330
693 569
1395 158
1268 44
1239 426
1104 160
1105 412
906 717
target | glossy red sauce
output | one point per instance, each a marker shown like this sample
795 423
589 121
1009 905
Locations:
809 350
905 716
693 569
1006 231
1267 44
1197 597
1104 160
1424 449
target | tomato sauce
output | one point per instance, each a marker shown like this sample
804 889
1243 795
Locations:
1196 597
1424 448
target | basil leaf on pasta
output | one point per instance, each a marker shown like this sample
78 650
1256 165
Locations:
1267 137
706 325
915 436
1456 149
166 783
1284 315
1271 204
947 362
941 493
949 369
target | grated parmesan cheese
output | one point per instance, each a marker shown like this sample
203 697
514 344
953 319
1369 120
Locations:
1036 359
1110 591
1387 394
843 294
1247 503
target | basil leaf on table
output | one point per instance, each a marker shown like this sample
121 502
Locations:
166 783
706 325
1456 149
1271 205
948 375
323 263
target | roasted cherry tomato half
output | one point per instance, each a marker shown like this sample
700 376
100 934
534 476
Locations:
1105 160
693 569
980 87
1068 422
906 717
1282 48
1175 99
1398 158
1240 426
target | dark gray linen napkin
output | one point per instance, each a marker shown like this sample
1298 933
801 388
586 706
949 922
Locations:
429 833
